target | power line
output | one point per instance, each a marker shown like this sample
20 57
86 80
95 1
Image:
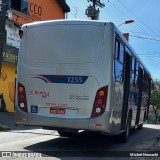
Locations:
75 11
135 23
151 62
149 53
150 56
137 17
78 8
154 38
118 9
140 33
146 38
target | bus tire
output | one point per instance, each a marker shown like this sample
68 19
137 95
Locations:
125 135
140 126
67 134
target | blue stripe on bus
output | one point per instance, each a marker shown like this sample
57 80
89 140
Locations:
69 79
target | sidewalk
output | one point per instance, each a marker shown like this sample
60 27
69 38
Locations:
7 122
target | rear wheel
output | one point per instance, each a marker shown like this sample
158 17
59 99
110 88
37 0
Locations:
124 136
140 126
68 134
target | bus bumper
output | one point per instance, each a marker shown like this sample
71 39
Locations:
100 123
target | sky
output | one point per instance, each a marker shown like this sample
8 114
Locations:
144 32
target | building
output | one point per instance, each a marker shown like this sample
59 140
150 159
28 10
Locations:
19 13
25 11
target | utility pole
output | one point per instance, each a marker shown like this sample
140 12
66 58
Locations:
3 12
91 11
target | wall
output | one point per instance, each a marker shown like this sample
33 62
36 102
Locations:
38 10
7 85
7 78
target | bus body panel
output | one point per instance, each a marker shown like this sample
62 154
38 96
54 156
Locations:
61 90
49 95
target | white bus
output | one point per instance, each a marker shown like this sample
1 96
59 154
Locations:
80 75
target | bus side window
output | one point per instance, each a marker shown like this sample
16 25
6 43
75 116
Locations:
119 59
121 54
132 72
117 49
145 82
118 71
136 74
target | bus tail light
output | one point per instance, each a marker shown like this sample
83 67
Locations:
22 101
100 101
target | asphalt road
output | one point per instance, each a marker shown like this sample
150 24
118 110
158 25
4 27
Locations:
86 146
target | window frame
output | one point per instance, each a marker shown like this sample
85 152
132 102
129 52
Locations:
118 45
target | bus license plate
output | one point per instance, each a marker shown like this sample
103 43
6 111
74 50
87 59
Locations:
57 110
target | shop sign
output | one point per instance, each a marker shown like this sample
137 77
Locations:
10 55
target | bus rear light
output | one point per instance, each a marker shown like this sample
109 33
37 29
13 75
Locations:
22 105
21 97
98 125
22 101
100 102
98 110
20 89
101 93
20 118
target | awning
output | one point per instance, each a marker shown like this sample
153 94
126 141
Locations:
63 5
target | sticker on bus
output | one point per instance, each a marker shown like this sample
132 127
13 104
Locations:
34 109
62 79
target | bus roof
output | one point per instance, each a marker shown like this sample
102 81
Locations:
89 22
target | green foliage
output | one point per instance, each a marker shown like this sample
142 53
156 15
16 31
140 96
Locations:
155 94
155 97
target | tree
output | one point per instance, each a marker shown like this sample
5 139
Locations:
155 96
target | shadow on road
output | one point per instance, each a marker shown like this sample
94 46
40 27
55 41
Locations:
87 144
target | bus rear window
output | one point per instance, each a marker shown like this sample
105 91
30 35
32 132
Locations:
69 44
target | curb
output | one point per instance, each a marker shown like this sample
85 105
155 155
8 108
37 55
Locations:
4 128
